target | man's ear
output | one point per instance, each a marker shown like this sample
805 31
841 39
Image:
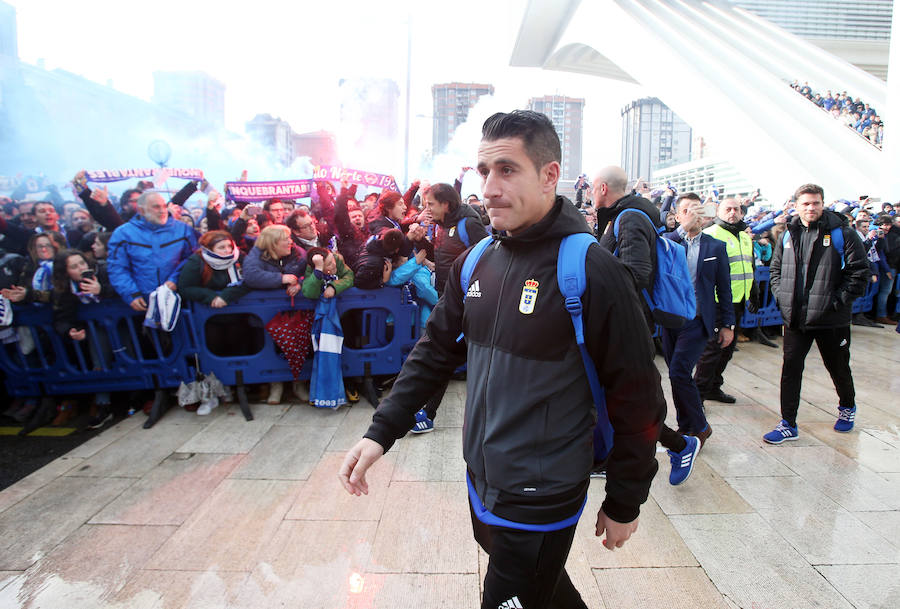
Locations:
550 176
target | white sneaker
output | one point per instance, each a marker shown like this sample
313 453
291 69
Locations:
275 391
301 391
206 406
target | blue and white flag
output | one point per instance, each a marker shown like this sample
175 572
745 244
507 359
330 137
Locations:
326 385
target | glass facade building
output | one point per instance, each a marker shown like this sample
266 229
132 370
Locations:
860 20
652 136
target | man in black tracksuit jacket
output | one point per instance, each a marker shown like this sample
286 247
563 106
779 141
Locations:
527 435
815 288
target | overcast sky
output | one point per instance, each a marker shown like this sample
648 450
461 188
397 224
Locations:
287 58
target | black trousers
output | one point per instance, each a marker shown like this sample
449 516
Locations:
834 346
527 566
435 400
714 359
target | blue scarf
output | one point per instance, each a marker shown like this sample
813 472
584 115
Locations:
326 385
84 297
41 279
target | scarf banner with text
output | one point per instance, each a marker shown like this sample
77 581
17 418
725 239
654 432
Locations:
159 175
253 192
367 178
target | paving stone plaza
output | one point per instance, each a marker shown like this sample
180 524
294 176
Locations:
214 512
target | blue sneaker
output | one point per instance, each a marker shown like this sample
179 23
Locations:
781 433
423 423
845 419
683 462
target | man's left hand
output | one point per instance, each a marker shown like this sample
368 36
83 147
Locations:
617 533
726 335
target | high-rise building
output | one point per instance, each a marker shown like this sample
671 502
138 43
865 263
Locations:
652 137
858 31
196 94
9 38
566 114
452 102
274 134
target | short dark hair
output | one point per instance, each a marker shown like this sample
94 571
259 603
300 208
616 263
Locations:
883 219
387 201
391 239
693 196
444 193
534 129
809 189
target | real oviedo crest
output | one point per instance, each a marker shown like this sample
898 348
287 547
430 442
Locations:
529 296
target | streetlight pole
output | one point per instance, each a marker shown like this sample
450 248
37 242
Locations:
408 71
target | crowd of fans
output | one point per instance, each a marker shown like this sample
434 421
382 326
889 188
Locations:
877 224
852 112
143 247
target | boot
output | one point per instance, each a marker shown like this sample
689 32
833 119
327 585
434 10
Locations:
275 390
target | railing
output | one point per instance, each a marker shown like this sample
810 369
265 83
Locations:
120 354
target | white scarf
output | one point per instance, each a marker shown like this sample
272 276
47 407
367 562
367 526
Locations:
224 263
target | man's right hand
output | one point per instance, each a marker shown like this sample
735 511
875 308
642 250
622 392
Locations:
139 304
617 533
357 462
100 196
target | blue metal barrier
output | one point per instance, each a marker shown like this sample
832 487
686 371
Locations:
897 293
768 313
864 303
119 354
378 356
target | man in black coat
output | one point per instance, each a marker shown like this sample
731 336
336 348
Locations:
815 286
635 246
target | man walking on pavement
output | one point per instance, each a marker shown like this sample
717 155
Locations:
708 265
529 416
729 228
818 269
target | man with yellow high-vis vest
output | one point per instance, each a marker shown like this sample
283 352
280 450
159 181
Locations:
730 228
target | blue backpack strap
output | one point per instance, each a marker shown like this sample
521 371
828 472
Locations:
570 274
462 232
658 231
465 273
837 239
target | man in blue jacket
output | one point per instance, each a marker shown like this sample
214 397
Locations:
148 251
708 266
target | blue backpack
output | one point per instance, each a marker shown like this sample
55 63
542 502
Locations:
462 232
837 238
570 276
672 302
